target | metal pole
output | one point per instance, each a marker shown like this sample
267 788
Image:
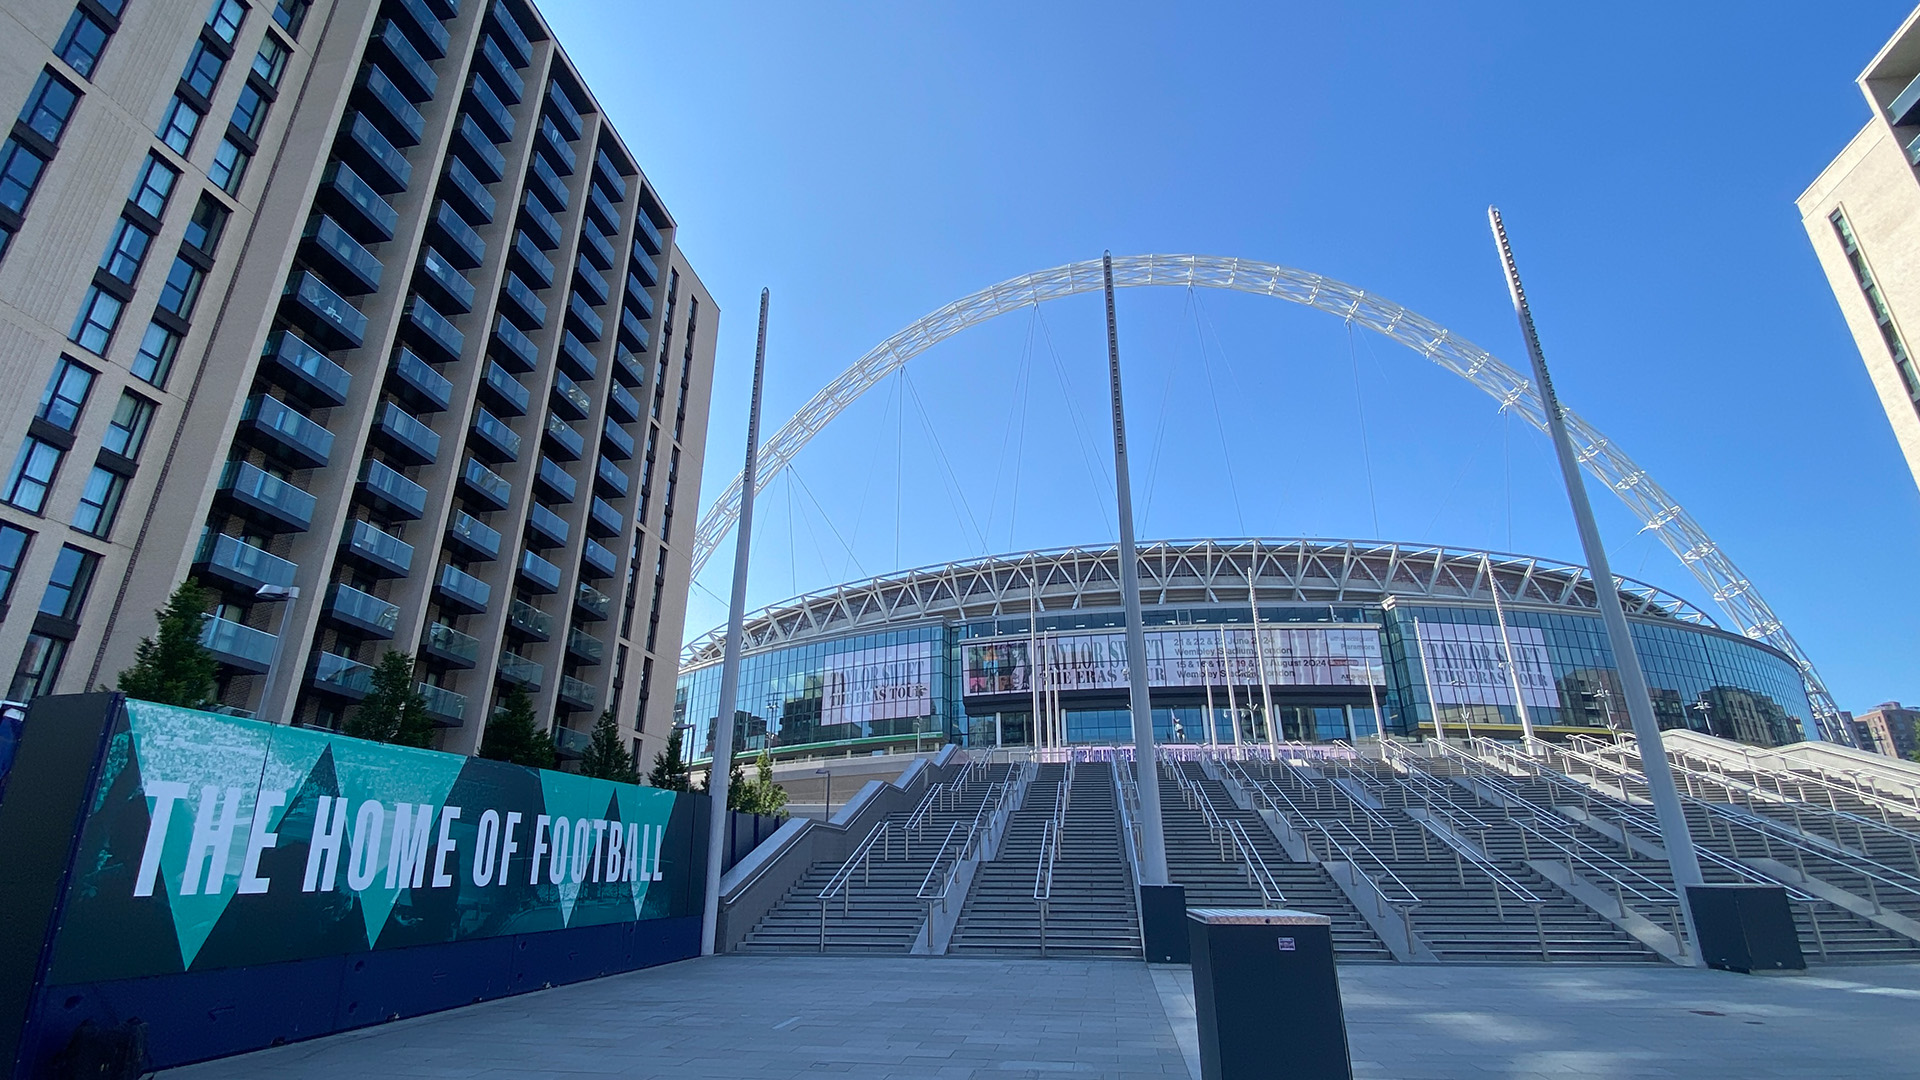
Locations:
1426 675
719 766
1653 756
1260 653
1145 767
1033 654
1206 674
1506 646
1233 707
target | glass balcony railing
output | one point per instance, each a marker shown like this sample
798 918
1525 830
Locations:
379 549
609 477
405 436
530 620
462 246
374 157
361 209
485 485
265 498
519 303
323 313
416 381
284 433
607 173
512 347
560 107
531 261
486 107
601 212
468 195
638 298
563 442
241 564
410 70
602 518
355 270
585 647
389 107
388 491
615 442
340 676
553 142
589 281
447 708
540 224
596 249
646 234
643 267
571 745
578 693
507 394
449 287
362 612
493 440
596 561
520 671
423 28
513 40
591 602
542 178
461 590
499 69
627 370
473 536
582 318
622 405
568 399
632 333
1905 107
478 151
546 528
444 643
554 479
538 574
575 359
434 330
236 645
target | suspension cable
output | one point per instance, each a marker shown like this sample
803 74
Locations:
1366 444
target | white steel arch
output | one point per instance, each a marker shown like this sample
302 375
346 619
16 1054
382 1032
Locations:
1606 462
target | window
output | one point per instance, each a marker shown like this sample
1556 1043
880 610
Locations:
154 186
126 251
290 14
250 112
182 289
203 69
178 126
49 107
127 431
226 17
271 61
65 395
19 171
82 42
6 237
99 315
100 502
204 228
32 475
158 348
229 166
13 552
39 667
67 589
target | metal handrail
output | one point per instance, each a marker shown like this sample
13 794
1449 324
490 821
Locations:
842 880
1798 804
1258 875
1404 903
1050 833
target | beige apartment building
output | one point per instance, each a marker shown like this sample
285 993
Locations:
1863 216
361 313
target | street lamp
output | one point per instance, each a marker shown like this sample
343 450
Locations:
826 811
1706 715
275 593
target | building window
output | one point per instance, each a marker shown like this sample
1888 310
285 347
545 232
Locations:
250 112
229 166
154 362
66 394
49 107
39 668
127 431
225 19
82 42
208 221
20 170
1870 287
100 502
178 126
67 589
203 69
290 14
271 61
99 315
13 552
182 289
155 186
33 472
126 251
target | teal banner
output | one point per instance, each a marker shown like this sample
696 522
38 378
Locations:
212 841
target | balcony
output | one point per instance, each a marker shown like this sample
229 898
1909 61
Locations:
642 266
628 371
323 313
493 441
458 242
564 159
423 28
467 194
575 359
485 106
410 70
530 260
352 268
236 645
382 552
562 441
284 433
513 40
568 399
632 334
488 488
602 518
367 615
518 303
539 224
615 442
500 70
511 347
373 156
570 745
606 172
585 647
447 708
517 670
646 235
611 480
529 620
478 151
537 574
404 436
361 209
449 646
448 287
545 528
601 212
504 392
622 405
595 247
638 298
340 677
578 693
592 604
417 383
385 105
1905 107
589 281
475 538
545 182
432 330
263 498
597 561
560 108
462 591
240 564
391 493
582 319
554 482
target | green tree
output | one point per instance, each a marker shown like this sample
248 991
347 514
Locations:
172 667
736 786
669 771
606 757
394 710
763 796
513 736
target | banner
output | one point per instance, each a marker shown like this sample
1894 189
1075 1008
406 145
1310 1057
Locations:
212 841
893 682
1189 657
1466 664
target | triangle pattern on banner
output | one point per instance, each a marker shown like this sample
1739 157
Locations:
399 774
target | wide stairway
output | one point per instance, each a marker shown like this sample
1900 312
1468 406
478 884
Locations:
1091 912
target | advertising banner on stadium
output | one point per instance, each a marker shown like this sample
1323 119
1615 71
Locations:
892 682
1183 657
1466 665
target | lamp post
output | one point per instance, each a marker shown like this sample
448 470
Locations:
286 594
826 811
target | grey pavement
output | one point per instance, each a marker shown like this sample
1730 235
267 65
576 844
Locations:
769 1017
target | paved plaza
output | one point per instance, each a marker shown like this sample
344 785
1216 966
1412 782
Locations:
763 1018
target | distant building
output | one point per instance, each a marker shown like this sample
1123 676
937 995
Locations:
1863 216
1889 728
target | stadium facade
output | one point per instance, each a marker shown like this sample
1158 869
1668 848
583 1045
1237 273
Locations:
1248 640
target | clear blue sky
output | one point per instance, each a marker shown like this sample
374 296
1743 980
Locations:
869 164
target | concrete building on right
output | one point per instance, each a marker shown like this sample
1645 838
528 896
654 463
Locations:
1889 728
1863 216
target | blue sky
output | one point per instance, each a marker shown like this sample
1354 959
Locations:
869 164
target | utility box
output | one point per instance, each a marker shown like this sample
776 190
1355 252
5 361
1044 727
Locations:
1163 923
1266 995
1745 928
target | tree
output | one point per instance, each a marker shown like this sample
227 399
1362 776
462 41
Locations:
736 785
669 771
394 710
172 667
513 736
606 757
763 796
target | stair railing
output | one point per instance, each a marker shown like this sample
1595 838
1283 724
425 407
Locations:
988 821
1050 833
841 884
1753 796
1388 890
1128 797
